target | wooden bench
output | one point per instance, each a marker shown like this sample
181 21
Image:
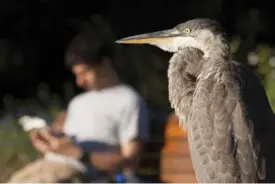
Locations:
166 157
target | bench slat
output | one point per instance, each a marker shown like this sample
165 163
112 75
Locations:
174 162
179 178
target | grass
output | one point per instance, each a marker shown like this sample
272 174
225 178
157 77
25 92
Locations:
16 150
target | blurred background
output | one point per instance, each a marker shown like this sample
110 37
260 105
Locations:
34 35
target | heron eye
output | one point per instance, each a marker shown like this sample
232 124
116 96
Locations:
187 30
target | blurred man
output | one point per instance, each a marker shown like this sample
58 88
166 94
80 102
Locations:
105 127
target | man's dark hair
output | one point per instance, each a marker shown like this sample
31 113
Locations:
88 48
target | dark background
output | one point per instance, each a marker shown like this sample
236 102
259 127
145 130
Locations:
34 34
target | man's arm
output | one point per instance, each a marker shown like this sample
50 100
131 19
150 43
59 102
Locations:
58 124
108 162
111 161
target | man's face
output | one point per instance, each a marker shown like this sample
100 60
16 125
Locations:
85 76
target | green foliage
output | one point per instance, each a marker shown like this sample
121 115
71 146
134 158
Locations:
262 57
16 149
234 44
266 70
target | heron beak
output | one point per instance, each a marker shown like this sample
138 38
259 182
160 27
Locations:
154 38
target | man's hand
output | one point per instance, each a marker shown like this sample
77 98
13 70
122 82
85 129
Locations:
65 146
42 139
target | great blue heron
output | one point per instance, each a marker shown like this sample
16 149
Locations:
221 103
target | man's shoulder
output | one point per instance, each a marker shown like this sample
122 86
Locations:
79 98
128 94
128 90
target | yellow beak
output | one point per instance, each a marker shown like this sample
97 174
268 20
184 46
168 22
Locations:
154 38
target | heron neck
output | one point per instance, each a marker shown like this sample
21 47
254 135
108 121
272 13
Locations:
220 50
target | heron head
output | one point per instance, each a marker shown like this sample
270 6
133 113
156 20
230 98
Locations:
199 33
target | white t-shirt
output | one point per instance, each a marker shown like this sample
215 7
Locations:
103 120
